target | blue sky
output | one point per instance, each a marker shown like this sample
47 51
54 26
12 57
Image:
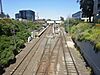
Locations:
52 9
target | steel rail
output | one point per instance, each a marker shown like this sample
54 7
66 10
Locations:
64 38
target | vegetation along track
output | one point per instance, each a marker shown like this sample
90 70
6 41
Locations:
20 68
68 58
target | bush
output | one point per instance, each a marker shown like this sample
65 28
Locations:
20 43
6 55
98 46
13 35
86 32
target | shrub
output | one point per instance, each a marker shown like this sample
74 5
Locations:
11 42
98 46
86 32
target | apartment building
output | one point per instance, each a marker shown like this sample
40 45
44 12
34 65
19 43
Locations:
25 15
77 15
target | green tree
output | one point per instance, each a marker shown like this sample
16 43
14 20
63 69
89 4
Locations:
87 8
62 18
13 35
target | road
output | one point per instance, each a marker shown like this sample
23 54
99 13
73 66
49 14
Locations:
48 54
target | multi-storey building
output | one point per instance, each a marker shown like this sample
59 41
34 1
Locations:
17 15
26 15
96 10
77 15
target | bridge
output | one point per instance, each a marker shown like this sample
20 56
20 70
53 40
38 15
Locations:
54 22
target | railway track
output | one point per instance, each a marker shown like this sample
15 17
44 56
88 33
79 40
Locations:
21 67
44 58
68 58
51 69
49 60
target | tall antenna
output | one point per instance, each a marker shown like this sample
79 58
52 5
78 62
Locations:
1 10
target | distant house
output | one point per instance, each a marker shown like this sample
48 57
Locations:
25 15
